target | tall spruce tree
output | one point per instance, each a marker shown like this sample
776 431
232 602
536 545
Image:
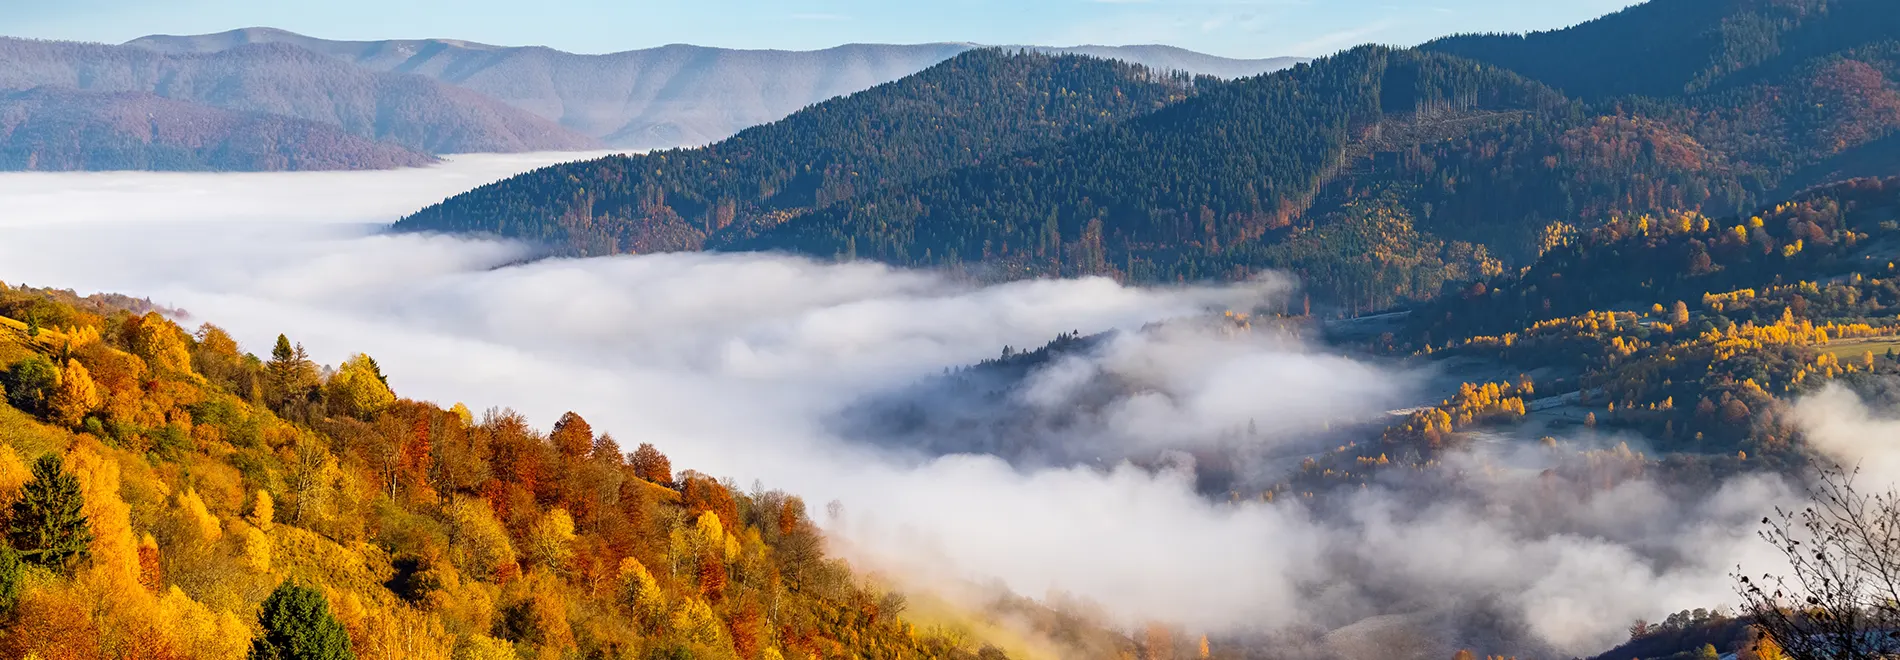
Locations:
49 524
297 625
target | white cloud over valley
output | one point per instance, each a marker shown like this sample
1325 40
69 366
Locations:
732 364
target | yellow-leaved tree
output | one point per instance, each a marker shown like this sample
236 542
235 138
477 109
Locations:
76 397
263 511
479 542
461 412
196 631
551 542
123 612
696 623
400 633
358 388
483 647
641 594
13 474
204 526
254 549
159 341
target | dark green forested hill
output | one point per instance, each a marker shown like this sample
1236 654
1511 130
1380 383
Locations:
1378 175
1676 47
973 108
1184 192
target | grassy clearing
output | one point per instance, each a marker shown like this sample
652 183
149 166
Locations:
1852 349
27 435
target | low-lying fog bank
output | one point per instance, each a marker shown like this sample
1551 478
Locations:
737 365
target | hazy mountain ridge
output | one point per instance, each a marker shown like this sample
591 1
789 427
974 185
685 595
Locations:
48 128
410 111
671 95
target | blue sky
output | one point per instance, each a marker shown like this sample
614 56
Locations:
1235 28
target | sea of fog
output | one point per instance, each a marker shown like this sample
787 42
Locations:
732 364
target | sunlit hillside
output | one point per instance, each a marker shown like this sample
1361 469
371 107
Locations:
167 495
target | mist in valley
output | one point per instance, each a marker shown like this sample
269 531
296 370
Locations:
1076 478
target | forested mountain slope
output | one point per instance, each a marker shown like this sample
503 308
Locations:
406 110
973 109
1676 47
1394 203
1171 194
48 129
1697 330
170 496
670 96
1379 176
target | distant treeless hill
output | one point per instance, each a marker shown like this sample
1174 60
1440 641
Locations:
674 95
49 128
410 111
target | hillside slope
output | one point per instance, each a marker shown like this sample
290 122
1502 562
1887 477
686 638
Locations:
1379 176
972 109
50 129
672 95
1153 196
207 482
1675 47
406 110
1391 201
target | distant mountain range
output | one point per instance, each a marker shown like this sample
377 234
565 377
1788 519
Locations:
1379 175
266 99
51 129
409 111
672 95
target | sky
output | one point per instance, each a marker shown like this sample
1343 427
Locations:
1233 28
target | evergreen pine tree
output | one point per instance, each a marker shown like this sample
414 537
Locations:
281 353
49 521
297 625
30 383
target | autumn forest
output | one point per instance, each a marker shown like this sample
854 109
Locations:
1570 344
